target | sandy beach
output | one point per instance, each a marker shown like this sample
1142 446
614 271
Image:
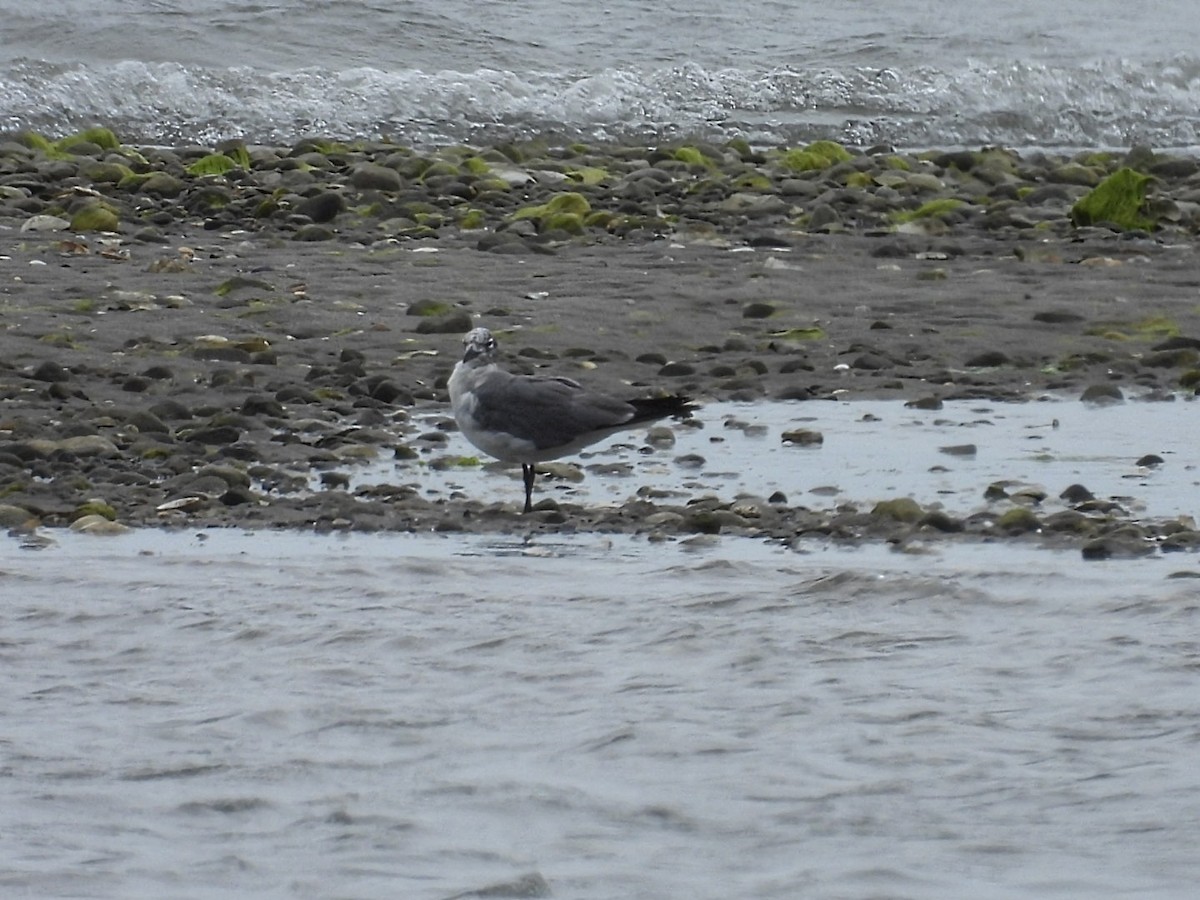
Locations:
206 369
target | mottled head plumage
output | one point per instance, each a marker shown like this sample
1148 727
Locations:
478 342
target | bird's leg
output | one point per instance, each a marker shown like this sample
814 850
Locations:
528 472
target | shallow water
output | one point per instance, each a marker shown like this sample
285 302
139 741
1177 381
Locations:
284 715
877 450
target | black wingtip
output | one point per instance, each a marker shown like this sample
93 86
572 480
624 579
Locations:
651 408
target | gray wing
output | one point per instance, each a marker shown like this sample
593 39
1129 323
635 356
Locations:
549 412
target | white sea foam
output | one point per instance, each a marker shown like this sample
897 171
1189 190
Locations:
913 74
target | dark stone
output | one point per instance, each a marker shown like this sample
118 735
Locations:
370 176
170 410
989 359
452 323
758 310
677 369
294 393
313 233
258 405
1057 317
1076 493
322 207
216 434
1103 394
924 403
387 391
50 372
146 421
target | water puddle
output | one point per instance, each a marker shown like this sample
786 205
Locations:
875 450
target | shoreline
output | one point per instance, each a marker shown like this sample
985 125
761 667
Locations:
210 347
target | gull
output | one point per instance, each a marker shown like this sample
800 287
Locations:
530 419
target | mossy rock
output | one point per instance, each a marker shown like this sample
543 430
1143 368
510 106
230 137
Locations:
934 209
106 172
476 165
101 137
95 508
902 509
428 307
817 155
693 157
1120 199
741 147
752 182
47 148
588 176
133 182
1019 519
162 184
567 203
1149 328
96 217
600 218
859 180
266 208
570 222
97 137
440 167
213 164
472 220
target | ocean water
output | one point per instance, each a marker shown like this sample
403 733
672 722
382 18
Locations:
225 715
945 73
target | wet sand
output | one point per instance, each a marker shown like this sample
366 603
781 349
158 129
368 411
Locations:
209 376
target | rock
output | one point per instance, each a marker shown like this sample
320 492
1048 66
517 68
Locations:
1076 493
758 310
50 372
901 509
146 422
1102 394
929 403
322 207
458 322
313 233
89 445
98 525
212 435
1125 543
803 437
1118 200
45 222
676 369
162 184
958 450
95 217
1018 520
370 176
14 516
989 359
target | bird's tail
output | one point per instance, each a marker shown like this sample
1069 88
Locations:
651 408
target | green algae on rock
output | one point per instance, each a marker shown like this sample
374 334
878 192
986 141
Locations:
1119 199
95 217
817 155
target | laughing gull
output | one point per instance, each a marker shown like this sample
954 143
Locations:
530 419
